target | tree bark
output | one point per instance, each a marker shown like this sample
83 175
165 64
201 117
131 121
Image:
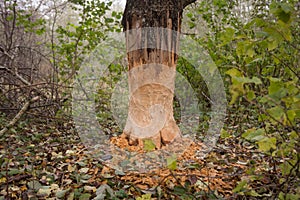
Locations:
152 57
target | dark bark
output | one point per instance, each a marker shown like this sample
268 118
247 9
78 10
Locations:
187 2
152 10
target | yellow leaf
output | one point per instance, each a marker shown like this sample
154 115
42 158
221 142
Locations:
2 180
23 188
71 168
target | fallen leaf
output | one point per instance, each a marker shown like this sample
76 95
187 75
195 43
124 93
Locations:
71 168
102 190
45 191
84 170
89 188
172 162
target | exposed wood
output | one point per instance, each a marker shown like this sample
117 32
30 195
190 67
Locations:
152 56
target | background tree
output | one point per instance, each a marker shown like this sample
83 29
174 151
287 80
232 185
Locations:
41 46
24 63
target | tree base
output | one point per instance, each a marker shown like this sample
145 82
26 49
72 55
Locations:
128 143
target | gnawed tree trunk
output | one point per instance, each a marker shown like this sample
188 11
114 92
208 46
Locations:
152 62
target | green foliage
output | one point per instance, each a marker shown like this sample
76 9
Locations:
254 135
267 144
77 40
24 18
107 84
283 196
259 57
240 187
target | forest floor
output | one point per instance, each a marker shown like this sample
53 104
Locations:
40 161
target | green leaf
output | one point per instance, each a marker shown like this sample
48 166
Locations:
254 135
85 196
227 36
266 144
259 22
233 72
190 15
256 80
277 113
281 10
274 37
293 135
292 114
14 171
225 134
61 193
245 48
179 190
292 88
283 196
251 95
149 145
286 7
243 80
34 184
192 25
234 95
272 44
172 162
253 193
285 168
276 90
109 20
122 194
285 30
240 187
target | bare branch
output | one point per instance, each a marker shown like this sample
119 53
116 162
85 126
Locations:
17 75
19 115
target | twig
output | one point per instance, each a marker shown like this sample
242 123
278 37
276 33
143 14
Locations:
18 116
286 65
17 75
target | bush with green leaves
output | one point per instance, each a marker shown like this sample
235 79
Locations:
259 58
78 39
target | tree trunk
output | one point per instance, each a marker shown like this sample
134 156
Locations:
152 59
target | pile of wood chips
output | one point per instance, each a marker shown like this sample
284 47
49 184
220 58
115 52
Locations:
200 175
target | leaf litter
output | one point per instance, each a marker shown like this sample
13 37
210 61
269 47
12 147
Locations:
47 163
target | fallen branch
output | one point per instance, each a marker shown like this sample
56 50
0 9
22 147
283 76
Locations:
18 116
18 178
